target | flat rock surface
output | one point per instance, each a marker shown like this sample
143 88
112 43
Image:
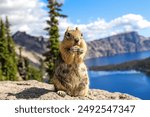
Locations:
16 90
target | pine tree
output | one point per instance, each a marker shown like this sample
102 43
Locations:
42 67
53 32
8 65
1 75
12 62
22 66
3 50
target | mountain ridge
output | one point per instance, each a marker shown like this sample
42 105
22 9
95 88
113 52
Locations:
117 44
30 43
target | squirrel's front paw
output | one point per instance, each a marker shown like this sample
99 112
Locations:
80 51
76 49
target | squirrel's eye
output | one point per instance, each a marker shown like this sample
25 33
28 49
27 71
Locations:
81 34
68 34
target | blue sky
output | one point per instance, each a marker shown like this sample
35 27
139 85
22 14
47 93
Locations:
87 10
95 18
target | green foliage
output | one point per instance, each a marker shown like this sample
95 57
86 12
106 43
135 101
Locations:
1 75
12 54
21 65
53 32
34 74
42 67
8 63
26 71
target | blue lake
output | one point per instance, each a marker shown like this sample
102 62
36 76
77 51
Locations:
130 82
117 58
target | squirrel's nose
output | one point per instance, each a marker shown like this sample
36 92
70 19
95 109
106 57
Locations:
77 40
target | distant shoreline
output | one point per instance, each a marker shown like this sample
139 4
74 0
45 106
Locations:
138 65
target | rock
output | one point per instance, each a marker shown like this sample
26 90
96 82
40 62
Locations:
16 90
32 47
30 43
117 44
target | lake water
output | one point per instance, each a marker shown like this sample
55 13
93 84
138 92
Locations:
117 58
130 82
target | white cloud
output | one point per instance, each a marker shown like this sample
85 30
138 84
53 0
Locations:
29 16
133 20
25 15
100 28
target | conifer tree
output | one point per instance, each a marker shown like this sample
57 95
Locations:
53 32
3 50
0 56
12 62
8 65
22 68
1 76
42 67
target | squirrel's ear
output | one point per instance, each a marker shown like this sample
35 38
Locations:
77 28
68 28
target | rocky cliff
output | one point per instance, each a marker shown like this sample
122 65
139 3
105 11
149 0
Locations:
30 43
32 89
32 47
118 44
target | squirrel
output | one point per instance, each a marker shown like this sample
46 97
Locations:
73 47
71 76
